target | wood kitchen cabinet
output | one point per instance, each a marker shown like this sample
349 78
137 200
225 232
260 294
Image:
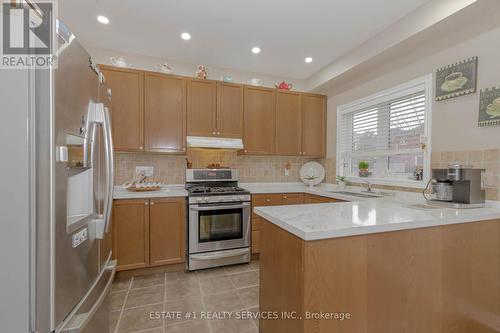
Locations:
127 107
131 233
288 123
149 232
229 110
165 113
167 224
215 109
313 125
202 107
259 120
312 199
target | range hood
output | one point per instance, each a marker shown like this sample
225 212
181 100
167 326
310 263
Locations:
209 142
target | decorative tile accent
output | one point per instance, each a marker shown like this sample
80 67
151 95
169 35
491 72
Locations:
171 168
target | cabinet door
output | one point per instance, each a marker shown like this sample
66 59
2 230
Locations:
167 231
259 120
255 241
229 110
128 107
202 104
288 129
165 113
131 233
313 125
272 199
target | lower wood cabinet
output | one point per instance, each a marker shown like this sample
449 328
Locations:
278 199
149 232
131 233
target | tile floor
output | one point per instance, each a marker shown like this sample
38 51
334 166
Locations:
232 288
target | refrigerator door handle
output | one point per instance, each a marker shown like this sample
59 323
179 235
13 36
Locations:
101 116
78 323
109 168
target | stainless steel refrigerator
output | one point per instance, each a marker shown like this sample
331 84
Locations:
72 270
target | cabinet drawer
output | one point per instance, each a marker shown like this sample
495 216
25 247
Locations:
256 223
255 241
274 199
293 198
311 198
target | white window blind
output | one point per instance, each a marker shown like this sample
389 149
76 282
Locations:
387 134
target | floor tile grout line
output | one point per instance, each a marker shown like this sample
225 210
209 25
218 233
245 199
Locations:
205 308
123 305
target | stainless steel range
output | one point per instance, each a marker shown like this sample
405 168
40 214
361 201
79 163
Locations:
219 219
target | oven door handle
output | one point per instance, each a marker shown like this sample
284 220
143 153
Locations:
212 256
205 208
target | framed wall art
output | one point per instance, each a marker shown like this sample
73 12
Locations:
489 107
457 79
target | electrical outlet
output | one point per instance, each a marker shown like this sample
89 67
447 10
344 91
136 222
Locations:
146 171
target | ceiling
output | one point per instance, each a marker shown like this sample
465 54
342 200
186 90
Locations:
224 31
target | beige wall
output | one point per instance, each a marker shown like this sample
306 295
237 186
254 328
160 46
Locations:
148 63
454 122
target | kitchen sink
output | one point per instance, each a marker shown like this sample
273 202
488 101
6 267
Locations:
358 194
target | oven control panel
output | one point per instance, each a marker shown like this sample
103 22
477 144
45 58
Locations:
219 198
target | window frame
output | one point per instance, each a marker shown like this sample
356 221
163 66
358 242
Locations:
385 96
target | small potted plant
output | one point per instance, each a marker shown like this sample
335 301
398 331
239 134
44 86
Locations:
342 181
310 180
363 169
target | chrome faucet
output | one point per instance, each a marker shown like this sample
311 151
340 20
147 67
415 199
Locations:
368 186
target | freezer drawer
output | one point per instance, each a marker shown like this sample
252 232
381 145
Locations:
92 315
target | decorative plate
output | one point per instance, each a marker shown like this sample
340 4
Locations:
312 173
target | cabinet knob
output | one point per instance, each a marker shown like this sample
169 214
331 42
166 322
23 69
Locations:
303 153
184 149
214 133
146 203
152 203
268 200
218 133
141 148
246 151
285 197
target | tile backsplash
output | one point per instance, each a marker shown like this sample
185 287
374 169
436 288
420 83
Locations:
486 159
171 168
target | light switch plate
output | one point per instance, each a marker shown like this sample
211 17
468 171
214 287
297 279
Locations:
146 171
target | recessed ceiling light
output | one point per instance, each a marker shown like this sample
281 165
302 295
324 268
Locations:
308 60
103 19
185 36
255 50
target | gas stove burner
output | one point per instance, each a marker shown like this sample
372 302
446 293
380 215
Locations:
216 189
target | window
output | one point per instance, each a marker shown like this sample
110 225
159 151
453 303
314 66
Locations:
390 131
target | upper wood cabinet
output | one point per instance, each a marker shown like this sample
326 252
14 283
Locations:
128 107
202 107
167 219
165 113
313 125
259 120
288 123
229 110
215 109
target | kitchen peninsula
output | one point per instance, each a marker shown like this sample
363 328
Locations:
388 267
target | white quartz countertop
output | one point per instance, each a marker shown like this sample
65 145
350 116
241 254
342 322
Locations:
398 211
168 191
